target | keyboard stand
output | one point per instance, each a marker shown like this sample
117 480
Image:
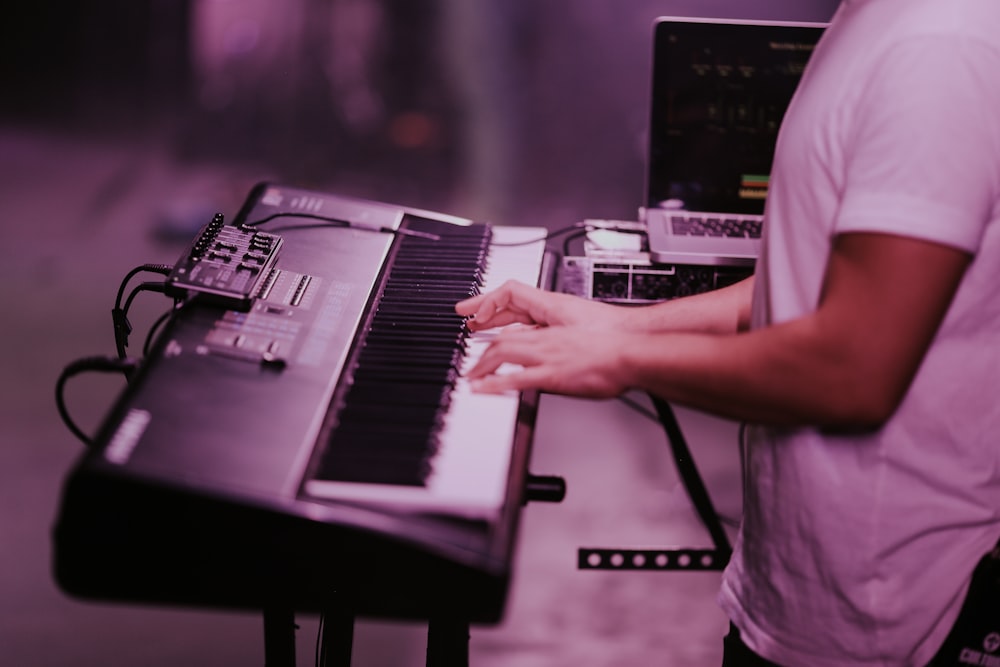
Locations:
715 558
447 643
279 637
336 639
447 637
447 640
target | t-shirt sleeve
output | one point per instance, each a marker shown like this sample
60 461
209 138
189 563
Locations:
924 156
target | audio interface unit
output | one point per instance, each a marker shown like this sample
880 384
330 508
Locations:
635 280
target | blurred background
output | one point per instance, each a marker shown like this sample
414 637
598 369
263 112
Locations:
125 124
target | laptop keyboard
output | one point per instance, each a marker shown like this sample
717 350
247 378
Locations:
707 225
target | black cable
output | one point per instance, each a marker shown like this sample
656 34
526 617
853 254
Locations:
143 287
119 318
691 478
320 644
572 237
641 409
101 364
308 216
578 228
160 321
391 230
122 329
649 414
338 222
120 314
547 237
163 269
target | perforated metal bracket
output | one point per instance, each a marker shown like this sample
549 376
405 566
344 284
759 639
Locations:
651 559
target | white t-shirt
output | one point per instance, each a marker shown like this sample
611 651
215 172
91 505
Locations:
856 551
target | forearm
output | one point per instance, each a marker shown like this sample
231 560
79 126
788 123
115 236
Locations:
786 375
721 311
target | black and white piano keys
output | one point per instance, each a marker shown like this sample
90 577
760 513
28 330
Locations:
470 468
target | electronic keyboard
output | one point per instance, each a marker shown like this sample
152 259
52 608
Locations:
301 435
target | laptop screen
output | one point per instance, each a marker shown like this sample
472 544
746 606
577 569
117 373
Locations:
720 90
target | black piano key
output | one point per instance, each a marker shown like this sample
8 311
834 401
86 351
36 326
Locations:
401 395
403 377
383 371
441 271
389 353
410 388
406 447
399 323
415 267
405 339
382 357
409 376
403 362
373 457
463 267
413 449
437 272
415 333
404 309
376 412
417 338
437 310
411 312
383 451
429 289
442 301
415 342
407 442
419 324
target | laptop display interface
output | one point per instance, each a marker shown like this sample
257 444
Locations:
719 94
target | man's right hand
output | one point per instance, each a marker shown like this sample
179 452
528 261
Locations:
516 302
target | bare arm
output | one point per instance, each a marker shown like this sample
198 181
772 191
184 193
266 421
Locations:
847 364
725 310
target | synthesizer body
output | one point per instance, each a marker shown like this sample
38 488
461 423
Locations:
300 434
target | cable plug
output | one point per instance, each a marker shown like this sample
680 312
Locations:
122 326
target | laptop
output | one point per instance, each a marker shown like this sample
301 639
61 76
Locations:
720 89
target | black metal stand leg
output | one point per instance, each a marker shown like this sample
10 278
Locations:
447 643
279 638
336 639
